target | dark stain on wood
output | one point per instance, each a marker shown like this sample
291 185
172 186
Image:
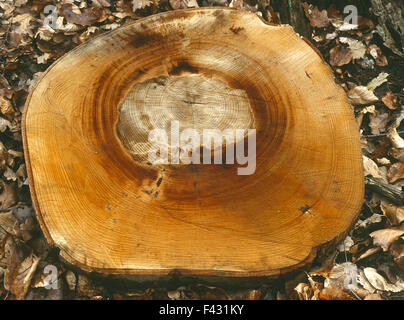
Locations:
181 67
236 30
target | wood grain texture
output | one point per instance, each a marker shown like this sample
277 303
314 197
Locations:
98 204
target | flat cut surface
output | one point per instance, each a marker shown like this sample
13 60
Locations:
108 212
194 101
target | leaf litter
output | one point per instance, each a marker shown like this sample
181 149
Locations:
366 59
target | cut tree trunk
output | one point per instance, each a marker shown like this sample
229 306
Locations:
109 209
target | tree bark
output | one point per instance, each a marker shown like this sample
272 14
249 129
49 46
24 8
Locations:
390 192
390 27
291 12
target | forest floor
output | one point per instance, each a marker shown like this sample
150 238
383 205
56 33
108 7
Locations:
369 264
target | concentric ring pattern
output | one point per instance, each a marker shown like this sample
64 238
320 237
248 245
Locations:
112 212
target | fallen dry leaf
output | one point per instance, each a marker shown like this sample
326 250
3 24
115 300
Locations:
396 140
397 153
22 33
380 283
21 277
86 17
238 4
394 213
396 172
340 56
372 220
390 100
393 135
378 122
364 282
397 251
317 18
357 47
367 254
371 168
384 238
305 292
7 221
8 196
140 4
6 107
4 124
378 81
333 293
71 280
19 268
346 244
384 161
254 295
341 275
377 54
361 95
183 4
101 3
373 296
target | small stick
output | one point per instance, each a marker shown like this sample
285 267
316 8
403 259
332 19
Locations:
390 192
380 135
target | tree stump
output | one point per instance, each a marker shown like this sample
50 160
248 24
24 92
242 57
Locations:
100 200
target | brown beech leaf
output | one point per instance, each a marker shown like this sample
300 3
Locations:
390 100
101 3
306 292
86 17
371 168
21 277
394 213
377 54
361 95
13 255
367 254
6 107
357 47
254 295
397 251
238 4
334 13
340 56
71 280
8 196
396 172
384 238
373 296
183 4
396 140
140 4
365 24
380 283
378 122
318 19
7 221
334 293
